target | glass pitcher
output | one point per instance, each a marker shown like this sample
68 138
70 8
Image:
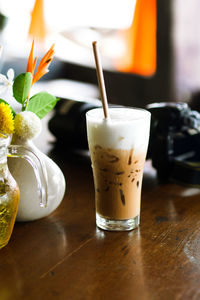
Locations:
9 191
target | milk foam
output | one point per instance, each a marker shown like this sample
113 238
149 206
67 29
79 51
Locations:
127 128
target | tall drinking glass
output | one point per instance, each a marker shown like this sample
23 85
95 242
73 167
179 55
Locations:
118 148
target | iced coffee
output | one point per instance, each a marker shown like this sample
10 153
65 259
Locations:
118 147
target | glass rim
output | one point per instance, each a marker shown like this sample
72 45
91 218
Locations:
3 135
143 116
5 139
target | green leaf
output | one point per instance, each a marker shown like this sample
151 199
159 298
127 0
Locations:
22 86
41 104
12 110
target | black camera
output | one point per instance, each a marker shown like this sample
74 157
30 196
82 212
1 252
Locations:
174 145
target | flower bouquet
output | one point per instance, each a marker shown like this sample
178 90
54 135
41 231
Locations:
26 124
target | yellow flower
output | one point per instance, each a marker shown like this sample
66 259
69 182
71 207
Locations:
6 119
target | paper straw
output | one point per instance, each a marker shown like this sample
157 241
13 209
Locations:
100 80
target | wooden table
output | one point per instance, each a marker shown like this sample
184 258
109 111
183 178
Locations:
64 256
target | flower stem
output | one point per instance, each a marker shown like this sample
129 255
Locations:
27 100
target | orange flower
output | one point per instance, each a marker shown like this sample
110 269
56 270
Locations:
31 64
43 65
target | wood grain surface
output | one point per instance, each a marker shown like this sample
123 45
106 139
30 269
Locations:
64 256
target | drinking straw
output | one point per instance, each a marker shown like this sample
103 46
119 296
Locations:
100 80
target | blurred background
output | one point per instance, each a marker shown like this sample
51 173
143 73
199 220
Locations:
150 49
